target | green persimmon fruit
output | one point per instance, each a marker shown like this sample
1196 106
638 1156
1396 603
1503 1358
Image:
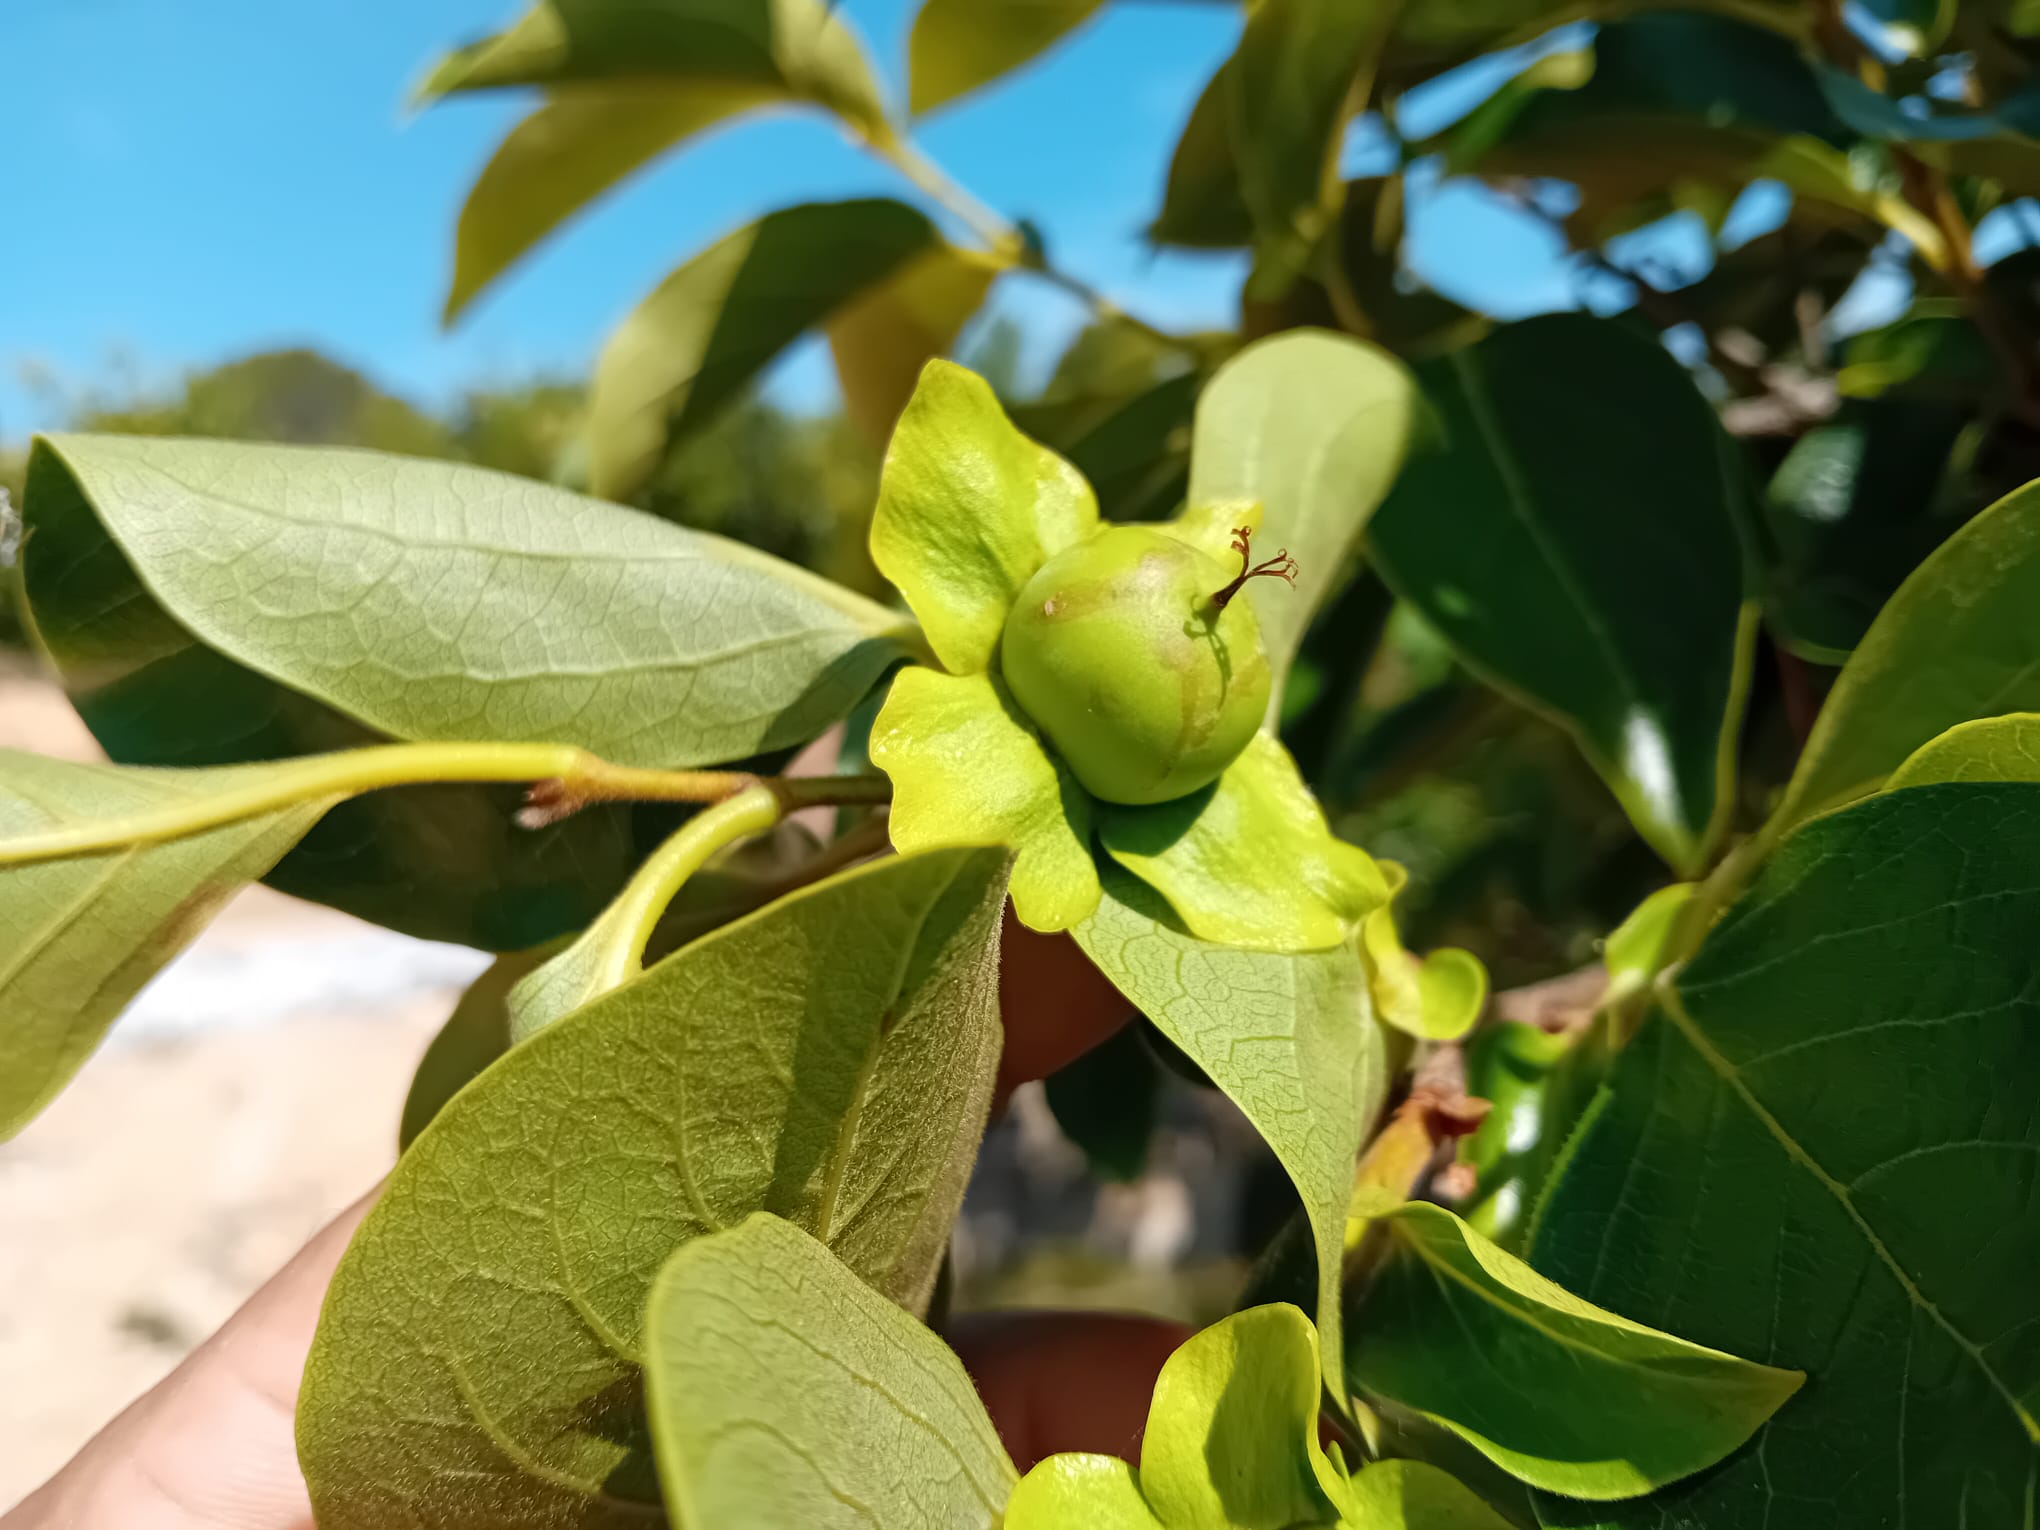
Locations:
1130 653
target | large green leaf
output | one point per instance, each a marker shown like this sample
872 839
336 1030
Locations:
563 156
712 325
1822 1151
829 1060
443 862
1957 642
1290 86
968 510
1291 1039
1313 426
958 46
786 1394
800 49
80 936
1594 573
1562 1394
436 601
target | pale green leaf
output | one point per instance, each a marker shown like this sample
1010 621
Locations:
713 324
798 48
441 602
1231 1435
1821 1150
829 1060
80 936
1639 945
1560 1393
475 1035
786 1394
1410 1495
968 509
968 768
1080 1492
1434 998
883 339
957 46
1291 1039
1989 749
1956 643
442 862
1519 537
570 150
1249 861
1314 426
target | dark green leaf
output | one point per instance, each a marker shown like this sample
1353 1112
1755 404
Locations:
829 1060
1564 1395
713 324
1594 573
1107 1103
1290 1038
786 1394
1854 507
1934 351
566 154
1821 1151
1956 642
80 936
1289 89
957 46
1202 207
793 48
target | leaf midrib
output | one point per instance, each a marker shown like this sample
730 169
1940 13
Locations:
1675 1010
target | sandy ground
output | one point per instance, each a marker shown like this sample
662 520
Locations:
251 1093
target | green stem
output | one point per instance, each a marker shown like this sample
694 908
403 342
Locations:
641 904
1005 242
570 777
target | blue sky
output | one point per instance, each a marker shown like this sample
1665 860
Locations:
192 181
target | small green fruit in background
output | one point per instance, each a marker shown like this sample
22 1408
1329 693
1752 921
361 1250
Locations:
1131 654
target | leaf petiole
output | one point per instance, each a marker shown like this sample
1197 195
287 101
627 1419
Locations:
569 777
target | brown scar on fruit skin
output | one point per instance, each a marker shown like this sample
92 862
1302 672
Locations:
1281 566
